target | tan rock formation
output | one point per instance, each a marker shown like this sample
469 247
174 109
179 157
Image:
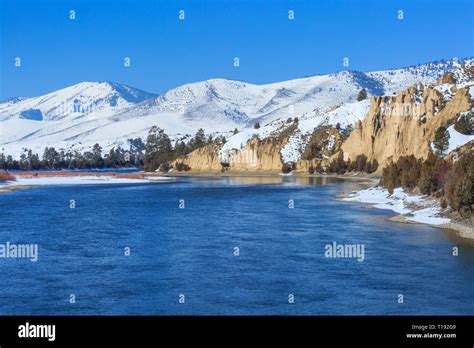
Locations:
303 166
403 125
325 138
205 158
257 155
447 78
261 155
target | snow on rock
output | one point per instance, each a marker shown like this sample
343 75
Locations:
457 139
239 140
291 152
346 114
401 203
331 142
445 90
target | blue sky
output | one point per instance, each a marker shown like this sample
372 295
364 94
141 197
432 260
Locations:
165 52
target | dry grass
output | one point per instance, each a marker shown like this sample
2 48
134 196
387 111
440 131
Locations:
4 176
130 175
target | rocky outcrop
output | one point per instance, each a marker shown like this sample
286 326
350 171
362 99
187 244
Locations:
404 124
325 142
256 155
304 166
447 78
205 158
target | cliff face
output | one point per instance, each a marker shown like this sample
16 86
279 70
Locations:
405 124
205 158
303 166
257 155
262 155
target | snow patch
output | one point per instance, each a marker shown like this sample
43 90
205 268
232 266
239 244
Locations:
291 152
399 202
78 180
428 216
457 139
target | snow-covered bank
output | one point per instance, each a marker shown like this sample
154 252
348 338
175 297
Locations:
80 180
414 208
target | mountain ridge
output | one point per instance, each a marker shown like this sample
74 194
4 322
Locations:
111 113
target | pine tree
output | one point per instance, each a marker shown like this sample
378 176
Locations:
50 157
179 149
362 95
199 139
441 140
151 149
3 161
158 149
164 148
112 158
98 161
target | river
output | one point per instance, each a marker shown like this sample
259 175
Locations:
226 246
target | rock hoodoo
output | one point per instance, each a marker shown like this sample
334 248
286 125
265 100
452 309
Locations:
404 124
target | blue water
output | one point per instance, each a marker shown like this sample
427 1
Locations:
88 170
190 251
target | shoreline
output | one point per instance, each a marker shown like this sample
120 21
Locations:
33 179
409 209
354 176
26 175
11 188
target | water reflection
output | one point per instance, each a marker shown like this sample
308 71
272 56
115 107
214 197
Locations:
270 180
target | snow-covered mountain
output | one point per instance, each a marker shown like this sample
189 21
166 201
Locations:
100 98
106 113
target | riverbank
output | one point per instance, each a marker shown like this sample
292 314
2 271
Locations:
410 208
28 179
31 179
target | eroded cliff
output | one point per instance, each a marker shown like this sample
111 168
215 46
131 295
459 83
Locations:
256 155
405 124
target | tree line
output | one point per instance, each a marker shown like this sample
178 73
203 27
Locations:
156 152
53 159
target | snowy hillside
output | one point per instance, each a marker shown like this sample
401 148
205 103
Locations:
87 98
81 115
